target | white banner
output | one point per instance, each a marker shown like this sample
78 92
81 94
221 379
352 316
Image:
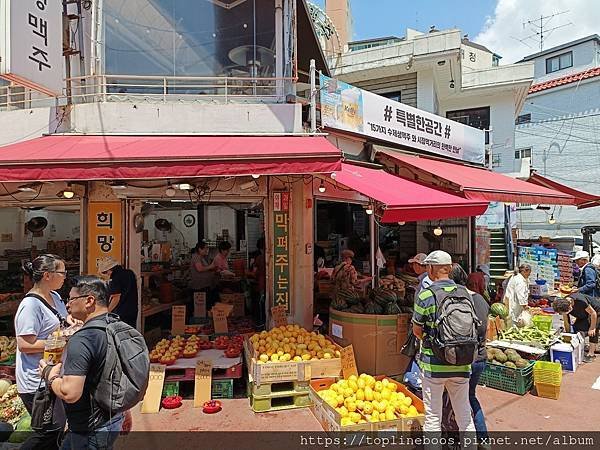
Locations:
31 44
349 108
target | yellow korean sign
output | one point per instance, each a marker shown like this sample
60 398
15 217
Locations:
281 251
104 233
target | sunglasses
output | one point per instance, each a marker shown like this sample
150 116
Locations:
70 299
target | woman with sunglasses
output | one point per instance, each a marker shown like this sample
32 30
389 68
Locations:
41 312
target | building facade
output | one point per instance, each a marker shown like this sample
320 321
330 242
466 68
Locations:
557 131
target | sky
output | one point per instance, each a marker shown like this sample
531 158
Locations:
497 24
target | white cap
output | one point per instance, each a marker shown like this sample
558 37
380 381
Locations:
438 258
418 258
595 260
581 254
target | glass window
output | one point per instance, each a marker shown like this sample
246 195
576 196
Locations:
559 62
523 153
474 117
190 37
396 95
523 118
496 160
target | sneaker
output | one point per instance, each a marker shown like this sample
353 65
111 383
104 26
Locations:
588 359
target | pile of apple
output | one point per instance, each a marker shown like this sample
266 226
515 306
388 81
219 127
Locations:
167 351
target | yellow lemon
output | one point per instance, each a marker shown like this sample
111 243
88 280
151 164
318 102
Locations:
355 417
297 358
334 387
340 399
385 382
362 421
327 355
412 410
368 393
274 357
386 394
403 409
361 383
351 406
348 392
346 421
342 410
407 401
352 378
389 415
264 358
378 386
393 387
375 414
353 385
380 406
343 384
306 356
368 408
370 381
373 419
360 394
332 402
377 396
360 404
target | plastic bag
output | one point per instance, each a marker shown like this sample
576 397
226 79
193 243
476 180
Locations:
525 319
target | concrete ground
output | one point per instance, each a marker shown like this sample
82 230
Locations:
503 411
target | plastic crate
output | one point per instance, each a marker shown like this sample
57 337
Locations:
516 381
547 390
170 388
222 388
542 322
547 373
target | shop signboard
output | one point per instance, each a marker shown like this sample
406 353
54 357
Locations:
104 233
281 250
31 44
349 108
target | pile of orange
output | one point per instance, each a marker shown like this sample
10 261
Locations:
292 343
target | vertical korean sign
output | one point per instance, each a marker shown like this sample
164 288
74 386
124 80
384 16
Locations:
104 232
31 44
281 250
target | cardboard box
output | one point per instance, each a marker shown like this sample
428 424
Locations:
330 419
238 300
495 325
569 354
377 339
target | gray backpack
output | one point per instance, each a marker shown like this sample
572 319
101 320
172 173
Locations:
454 337
124 380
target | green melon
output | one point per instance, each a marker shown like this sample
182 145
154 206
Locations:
499 310
500 357
521 363
510 364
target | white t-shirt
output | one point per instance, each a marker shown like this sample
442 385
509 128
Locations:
517 293
34 318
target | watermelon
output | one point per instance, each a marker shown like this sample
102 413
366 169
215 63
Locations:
499 310
384 296
357 309
339 304
392 308
371 308
349 296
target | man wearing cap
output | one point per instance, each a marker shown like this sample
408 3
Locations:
437 375
420 268
587 279
123 290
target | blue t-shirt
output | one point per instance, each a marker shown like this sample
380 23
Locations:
34 318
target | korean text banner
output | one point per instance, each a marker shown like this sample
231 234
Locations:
31 44
104 233
281 250
349 108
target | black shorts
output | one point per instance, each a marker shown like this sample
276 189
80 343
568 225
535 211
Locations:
583 325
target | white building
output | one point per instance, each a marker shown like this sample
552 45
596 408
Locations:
558 129
446 74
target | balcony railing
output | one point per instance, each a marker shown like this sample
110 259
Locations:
153 89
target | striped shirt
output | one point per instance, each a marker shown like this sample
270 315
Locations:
424 316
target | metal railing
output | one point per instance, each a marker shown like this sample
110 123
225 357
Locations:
508 238
153 89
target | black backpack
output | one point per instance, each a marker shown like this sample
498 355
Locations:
124 379
454 337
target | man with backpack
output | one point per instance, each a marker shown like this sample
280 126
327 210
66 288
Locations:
588 280
445 320
105 370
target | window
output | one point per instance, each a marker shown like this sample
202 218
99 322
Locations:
496 160
474 117
396 95
523 153
559 62
523 118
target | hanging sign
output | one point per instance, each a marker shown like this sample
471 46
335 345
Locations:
31 49
151 402
104 233
281 250
202 382
178 320
349 108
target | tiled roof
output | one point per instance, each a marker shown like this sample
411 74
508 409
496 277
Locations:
573 78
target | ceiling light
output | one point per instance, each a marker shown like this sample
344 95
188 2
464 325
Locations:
438 231
369 210
322 187
152 203
255 176
170 191
27 188
185 186
551 220
68 192
401 223
178 201
333 175
118 185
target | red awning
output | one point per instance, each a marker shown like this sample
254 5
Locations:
582 199
78 157
404 200
474 183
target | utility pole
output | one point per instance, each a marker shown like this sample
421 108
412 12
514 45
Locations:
540 28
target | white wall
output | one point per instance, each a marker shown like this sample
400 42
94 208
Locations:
181 237
62 226
219 218
584 55
474 58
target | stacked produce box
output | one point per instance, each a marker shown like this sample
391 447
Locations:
543 262
565 268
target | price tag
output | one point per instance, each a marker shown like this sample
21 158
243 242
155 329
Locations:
202 382
220 313
178 320
348 362
151 402
199 304
279 315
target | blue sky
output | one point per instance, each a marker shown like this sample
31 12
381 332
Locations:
378 18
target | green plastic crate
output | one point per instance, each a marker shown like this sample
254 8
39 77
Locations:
542 322
170 388
517 381
222 388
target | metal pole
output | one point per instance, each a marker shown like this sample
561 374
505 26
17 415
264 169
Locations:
279 56
313 96
372 240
